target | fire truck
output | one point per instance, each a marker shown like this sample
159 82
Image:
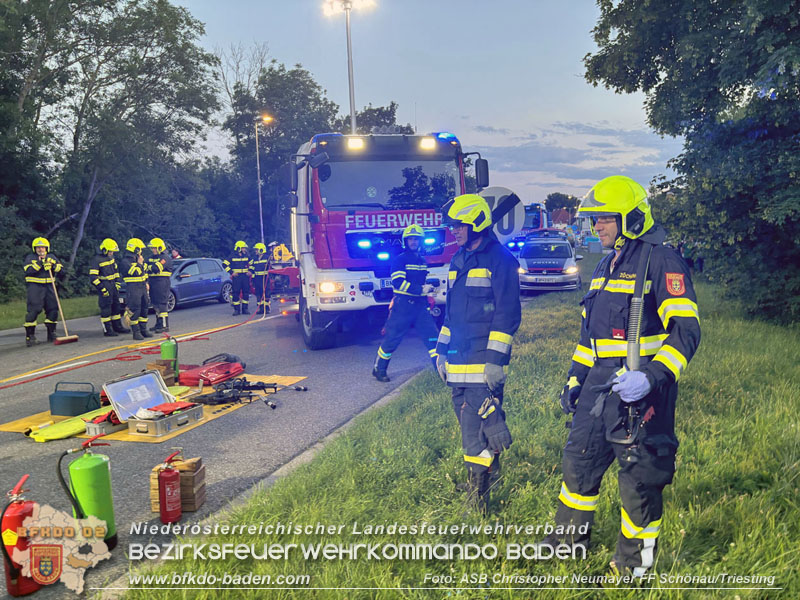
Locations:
352 197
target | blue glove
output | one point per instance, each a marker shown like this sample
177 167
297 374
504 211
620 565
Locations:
494 376
631 386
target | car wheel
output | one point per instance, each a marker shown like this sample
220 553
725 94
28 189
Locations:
171 301
225 293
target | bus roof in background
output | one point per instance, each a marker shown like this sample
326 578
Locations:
435 146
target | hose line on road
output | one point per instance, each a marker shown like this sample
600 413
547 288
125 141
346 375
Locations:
139 349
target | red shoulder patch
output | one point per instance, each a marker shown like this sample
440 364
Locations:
675 284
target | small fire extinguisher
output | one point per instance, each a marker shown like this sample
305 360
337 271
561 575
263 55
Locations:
16 511
169 491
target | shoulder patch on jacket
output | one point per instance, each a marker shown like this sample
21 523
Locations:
675 284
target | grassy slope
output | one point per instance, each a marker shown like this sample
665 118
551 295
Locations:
12 314
732 508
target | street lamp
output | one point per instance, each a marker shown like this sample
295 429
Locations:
332 7
266 119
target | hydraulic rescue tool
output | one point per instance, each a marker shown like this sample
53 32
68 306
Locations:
169 491
90 483
14 514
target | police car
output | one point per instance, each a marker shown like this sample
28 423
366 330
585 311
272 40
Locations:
548 263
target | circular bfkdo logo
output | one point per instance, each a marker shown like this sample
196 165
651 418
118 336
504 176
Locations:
46 563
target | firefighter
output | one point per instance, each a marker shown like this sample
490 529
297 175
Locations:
634 423
259 267
105 279
474 346
238 266
159 272
40 269
410 303
134 273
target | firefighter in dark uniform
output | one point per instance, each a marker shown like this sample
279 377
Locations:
105 279
238 265
410 303
483 312
134 272
40 269
634 422
259 267
159 273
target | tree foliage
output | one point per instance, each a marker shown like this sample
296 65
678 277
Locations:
726 76
556 200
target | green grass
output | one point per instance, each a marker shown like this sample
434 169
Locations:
733 507
12 314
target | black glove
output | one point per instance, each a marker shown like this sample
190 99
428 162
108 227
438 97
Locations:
104 291
494 428
569 395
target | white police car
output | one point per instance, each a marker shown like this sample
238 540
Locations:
548 264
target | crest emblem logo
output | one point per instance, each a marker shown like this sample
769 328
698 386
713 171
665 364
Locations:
675 284
46 563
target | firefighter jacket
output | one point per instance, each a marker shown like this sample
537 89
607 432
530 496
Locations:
131 270
157 268
35 271
670 329
409 272
483 312
103 270
259 265
237 264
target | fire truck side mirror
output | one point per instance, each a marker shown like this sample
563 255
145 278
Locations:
481 172
318 160
287 175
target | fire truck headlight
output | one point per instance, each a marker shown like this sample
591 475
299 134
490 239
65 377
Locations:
331 287
355 143
383 256
427 143
364 244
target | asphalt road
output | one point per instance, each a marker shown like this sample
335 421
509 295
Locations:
238 449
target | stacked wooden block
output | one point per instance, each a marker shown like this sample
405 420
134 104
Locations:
193 484
167 372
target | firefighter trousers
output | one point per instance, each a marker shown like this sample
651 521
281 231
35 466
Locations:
261 284
405 312
138 302
241 287
40 296
110 308
466 403
159 295
645 468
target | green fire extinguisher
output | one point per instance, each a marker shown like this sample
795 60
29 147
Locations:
90 486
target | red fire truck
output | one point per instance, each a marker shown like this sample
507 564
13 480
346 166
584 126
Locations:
353 196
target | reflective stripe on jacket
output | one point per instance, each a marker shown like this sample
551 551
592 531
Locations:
131 270
103 268
237 264
35 271
155 268
409 272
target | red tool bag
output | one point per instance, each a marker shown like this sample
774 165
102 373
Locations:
209 374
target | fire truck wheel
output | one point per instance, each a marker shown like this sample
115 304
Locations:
314 337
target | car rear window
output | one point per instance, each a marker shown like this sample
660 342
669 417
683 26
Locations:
546 251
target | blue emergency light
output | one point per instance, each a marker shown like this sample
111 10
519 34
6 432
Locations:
383 256
430 241
364 244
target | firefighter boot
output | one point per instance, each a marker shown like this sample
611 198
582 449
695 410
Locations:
266 308
108 329
477 492
158 327
51 332
245 309
260 310
379 369
30 336
165 327
116 325
143 329
137 332
236 310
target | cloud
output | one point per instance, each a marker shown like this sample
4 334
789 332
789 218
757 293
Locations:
492 130
600 145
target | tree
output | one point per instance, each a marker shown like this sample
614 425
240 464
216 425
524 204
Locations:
372 118
558 200
726 76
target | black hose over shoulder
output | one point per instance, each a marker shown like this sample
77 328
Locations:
73 500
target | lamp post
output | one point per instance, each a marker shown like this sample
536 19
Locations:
332 7
266 119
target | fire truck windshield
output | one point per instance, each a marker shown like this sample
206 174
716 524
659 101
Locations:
387 184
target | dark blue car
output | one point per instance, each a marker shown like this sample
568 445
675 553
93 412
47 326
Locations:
196 279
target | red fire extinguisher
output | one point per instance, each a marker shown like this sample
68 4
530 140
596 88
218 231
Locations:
17 510
169 491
